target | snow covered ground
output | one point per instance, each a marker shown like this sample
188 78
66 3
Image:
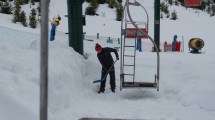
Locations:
186 92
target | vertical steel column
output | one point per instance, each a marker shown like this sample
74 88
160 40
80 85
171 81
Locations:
157 24
44 60
75 23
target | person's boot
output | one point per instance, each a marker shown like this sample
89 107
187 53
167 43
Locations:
113 90
101 91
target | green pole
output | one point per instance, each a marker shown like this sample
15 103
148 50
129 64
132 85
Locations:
75 23
157 24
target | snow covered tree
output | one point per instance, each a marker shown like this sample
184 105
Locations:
212 10
102 1
91 10
32 17
111 3
23 2
182 2
88 1
94 3
23 19
174 15
33 2
119 12
170 2
5 7
176 2
16 13
120 1
164 8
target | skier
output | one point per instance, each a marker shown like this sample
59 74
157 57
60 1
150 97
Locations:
106 60
54 23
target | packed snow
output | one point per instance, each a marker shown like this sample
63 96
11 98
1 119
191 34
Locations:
186 91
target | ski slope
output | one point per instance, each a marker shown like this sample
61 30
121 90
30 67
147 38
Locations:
186 80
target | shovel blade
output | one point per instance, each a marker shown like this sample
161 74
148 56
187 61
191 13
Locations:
97 81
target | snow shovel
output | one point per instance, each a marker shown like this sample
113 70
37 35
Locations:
102 79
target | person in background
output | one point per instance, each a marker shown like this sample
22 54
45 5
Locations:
106 60
54 23
174 43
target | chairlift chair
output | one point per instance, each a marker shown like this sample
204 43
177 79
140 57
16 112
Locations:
135 32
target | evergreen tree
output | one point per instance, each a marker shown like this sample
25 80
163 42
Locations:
182 2
33 2
5 7
23 19
119 12
208 9
91 10
203 5
120 1
94 3
162 6
174 15
17 9
88 1
102 1
25 1
32 17
21 2
111 3
176 2
213 11
170 2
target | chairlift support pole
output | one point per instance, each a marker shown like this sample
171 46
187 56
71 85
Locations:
75 22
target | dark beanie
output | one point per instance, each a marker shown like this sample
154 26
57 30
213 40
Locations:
98 47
